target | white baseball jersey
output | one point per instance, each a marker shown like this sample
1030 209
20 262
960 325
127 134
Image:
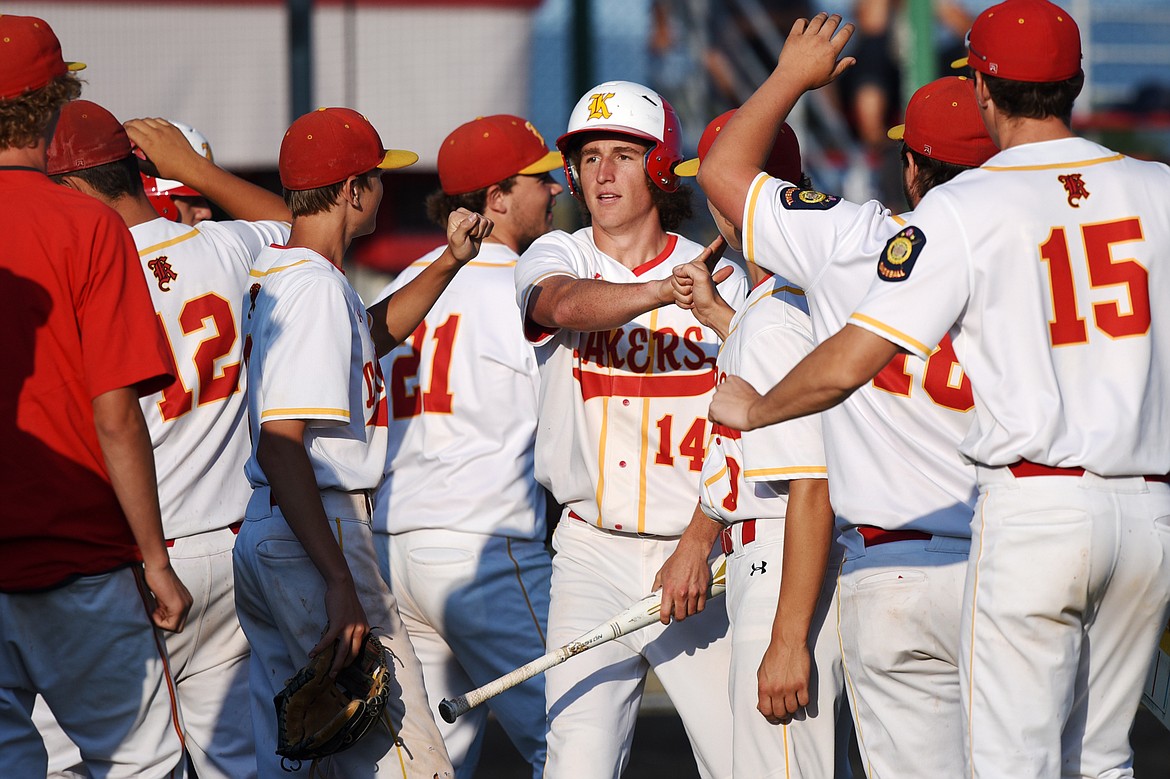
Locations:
745 475
197 278
623 413
462 393
892 446
305 326
1054 304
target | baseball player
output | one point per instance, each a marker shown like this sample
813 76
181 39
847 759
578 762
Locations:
306 570
84 572
902 496
197 278
172 198
471 576
764 493
622 432
1044 262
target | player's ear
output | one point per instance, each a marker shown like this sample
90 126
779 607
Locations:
982 94
350 191
495 200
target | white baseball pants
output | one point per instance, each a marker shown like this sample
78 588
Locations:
1067 596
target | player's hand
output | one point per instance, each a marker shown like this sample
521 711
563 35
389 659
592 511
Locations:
171 600
732 402
783 681
465 233
347 625
669 288
810 54
684 580
168 153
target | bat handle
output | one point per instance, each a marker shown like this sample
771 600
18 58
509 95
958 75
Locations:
451 709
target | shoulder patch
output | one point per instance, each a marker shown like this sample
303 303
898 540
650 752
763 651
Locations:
796 199
900 255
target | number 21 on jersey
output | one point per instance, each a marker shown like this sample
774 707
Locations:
408 399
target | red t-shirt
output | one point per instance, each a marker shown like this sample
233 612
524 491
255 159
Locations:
76 321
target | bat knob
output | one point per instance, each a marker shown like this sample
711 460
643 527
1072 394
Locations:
447 710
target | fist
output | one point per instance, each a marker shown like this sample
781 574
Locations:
465 233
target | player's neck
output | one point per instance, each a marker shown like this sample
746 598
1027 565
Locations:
134 210
1010 131
632 245
27 157
322 234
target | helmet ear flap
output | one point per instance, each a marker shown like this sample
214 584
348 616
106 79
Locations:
572 179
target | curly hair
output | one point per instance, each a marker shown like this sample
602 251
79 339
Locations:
440 204
306 202
26 119
931 172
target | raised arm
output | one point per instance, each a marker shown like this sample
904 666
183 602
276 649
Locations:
171 155
125 443
808 60
396 317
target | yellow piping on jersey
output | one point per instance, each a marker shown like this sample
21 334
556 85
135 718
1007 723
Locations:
262 273
887 329
642 456
166 244
601 460
749 240
1056 165
311 412
898 220
472 264
715 479
756 472
777 291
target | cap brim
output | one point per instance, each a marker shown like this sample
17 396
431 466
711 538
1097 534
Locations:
959 64
896 133
687 168
74 66
398 158
550 161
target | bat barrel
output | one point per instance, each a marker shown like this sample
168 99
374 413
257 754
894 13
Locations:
451 708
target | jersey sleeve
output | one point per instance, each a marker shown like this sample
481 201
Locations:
793 449
790 231
122 343
255 236
922 281
305 368
550 255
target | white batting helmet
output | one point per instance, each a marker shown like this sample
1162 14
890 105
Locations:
631 109
160 191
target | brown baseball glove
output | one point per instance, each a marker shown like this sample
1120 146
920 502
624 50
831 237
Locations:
317 716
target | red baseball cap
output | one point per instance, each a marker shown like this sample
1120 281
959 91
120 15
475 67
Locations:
783 163
329 145
1025 40
87 135
31 55
943 122
489 149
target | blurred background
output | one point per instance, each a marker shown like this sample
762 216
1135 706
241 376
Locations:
241 70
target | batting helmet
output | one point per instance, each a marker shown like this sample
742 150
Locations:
631 109
161 192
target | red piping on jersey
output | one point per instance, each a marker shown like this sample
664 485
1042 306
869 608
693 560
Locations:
671 242
598 385
726 432
761 282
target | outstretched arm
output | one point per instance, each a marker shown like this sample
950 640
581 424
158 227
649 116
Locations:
171 155
828 375
593 304
808 60
125 443
396 317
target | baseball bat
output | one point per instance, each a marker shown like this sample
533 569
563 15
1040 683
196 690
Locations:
644 612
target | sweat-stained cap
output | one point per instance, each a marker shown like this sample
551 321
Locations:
329 145
87 135
943 122
489 149
30 55
1024 40
783 163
